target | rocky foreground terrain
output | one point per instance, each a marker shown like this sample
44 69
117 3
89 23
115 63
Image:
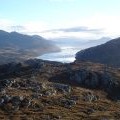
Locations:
43 90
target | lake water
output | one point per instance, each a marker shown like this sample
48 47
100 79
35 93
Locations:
66 55
69 48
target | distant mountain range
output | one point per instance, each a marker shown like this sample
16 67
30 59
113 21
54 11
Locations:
108 53
16 47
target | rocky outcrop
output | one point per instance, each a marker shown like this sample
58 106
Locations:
91 79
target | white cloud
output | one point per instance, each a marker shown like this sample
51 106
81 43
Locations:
35 27
5 24
60 34
110 26
30 27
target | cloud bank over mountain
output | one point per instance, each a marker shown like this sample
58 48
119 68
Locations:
90 28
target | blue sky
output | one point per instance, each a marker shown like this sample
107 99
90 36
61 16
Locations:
55 10
38 16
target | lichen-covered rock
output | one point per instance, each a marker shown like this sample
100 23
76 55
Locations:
36 96
6 98
16 100
67 103
90 97
25 102
36 106
1 101
62 88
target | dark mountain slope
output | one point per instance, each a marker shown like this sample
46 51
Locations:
16 46
108 53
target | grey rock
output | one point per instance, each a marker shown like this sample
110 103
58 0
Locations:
62 87
79 76
90 111
75 98
6 98
15 108
36 96
89 97
92 79
47 93
16 100
1 101
2 91
15 85
25 102
68 103
37 107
